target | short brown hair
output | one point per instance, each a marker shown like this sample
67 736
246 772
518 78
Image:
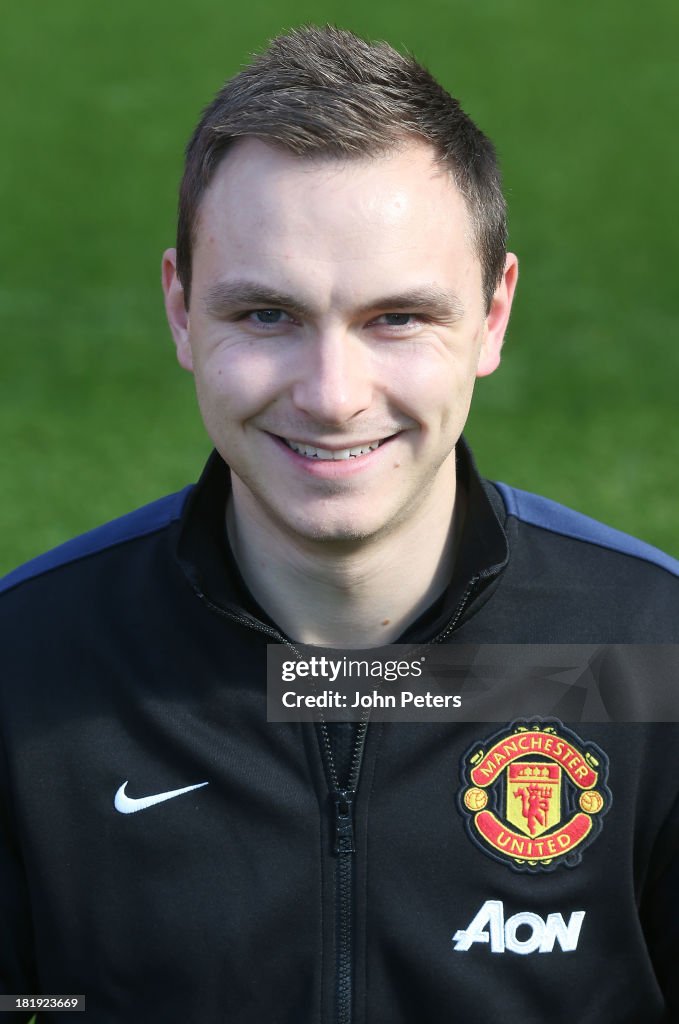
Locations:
323 91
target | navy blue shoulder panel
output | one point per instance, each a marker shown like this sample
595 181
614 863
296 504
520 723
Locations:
143 521
549 515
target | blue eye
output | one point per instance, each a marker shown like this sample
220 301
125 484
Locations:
268 316
397 319
400 321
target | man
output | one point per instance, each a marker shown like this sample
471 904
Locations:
340 280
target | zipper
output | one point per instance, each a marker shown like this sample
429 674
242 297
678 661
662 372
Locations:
344 847
471 586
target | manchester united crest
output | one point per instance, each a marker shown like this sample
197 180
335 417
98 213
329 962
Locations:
534 795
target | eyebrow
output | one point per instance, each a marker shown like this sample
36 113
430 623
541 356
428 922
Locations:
223 297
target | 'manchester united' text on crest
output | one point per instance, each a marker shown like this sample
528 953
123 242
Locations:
534 795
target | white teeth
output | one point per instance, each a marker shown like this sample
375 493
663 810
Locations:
325 453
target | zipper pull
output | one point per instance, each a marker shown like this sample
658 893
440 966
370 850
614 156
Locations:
343 801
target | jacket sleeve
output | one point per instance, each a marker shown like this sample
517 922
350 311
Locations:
17 973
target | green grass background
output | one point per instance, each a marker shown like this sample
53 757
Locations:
97 102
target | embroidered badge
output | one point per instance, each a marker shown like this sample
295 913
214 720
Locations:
534 795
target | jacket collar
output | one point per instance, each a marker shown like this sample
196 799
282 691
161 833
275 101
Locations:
206 559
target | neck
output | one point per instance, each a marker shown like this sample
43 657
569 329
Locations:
357 595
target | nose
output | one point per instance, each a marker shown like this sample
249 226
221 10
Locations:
334 380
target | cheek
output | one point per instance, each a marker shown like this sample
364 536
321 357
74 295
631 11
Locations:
434 391
238 380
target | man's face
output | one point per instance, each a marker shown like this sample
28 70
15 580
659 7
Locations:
335 331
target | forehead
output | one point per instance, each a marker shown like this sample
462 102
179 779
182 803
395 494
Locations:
267 208
258 177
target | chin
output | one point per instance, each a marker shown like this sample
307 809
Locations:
326 532
323 533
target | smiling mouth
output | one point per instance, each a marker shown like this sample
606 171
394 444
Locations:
329 455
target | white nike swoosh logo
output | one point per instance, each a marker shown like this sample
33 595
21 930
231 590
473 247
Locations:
128 805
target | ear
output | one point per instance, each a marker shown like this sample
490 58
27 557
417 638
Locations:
177 314
498 317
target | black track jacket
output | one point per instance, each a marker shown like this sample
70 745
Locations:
415 889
